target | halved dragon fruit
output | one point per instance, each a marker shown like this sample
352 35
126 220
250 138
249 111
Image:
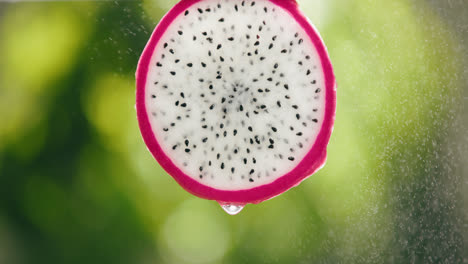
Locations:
236 99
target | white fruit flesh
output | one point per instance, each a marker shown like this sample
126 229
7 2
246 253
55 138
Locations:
235 93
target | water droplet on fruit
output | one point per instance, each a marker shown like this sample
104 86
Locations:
232 209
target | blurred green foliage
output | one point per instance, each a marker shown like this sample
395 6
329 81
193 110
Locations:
77 184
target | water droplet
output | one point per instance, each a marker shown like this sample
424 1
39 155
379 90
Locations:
232 209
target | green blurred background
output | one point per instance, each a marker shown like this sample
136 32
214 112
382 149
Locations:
77 184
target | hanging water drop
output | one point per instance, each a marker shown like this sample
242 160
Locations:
232 209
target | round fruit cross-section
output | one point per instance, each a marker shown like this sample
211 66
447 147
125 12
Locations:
236 99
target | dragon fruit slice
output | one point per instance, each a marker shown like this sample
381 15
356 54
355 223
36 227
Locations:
236 99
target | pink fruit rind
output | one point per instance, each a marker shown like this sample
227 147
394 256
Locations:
314 159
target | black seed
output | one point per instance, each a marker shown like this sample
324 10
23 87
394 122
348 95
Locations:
219 46
291 158
298 116
254 160
166 129
241 108
201 176
253 3
251 171
203 64
237 8
200 10
300 41
208 10
307 57
271 141
225 134
274 129
218 156
235 132
204 140
171 51
271 147
314 120
270 79
173 73
318 90
212 106
204 126
182 95
165 45
295 106
184 105
180 32
271 46
245 161
286 87
284 51
233 169
158 64
250 128
231 39
194 38
266 9
221 20
257 43
251 180
174 147
299 134
187 150
204 33
222 166
314 82
263 106
308 72
186 142
153 96
262 58
201 168
186 12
